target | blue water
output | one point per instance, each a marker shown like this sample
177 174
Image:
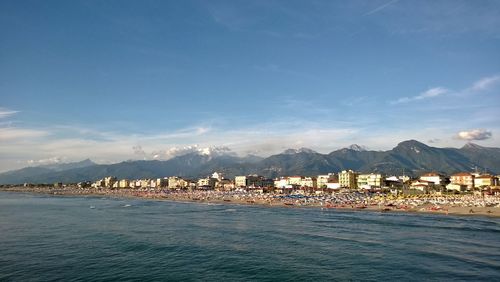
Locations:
46 238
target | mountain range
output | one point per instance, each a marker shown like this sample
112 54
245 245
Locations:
409 157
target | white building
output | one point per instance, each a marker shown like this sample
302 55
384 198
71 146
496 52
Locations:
434 177
368 181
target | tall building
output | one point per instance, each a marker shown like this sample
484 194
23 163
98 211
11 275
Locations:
463 178
347 179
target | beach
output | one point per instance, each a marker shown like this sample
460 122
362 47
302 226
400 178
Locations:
467 205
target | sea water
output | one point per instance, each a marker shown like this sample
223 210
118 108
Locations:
46 238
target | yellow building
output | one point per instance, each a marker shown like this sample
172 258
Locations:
347 179
484 180
124 183
240 181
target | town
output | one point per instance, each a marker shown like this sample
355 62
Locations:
461 193
346 180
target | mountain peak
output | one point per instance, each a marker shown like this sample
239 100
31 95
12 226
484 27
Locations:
471 145
297 151
356 147
412 143
412 146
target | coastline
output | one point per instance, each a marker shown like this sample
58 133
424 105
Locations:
212 197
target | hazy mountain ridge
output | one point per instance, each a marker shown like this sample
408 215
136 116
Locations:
411 157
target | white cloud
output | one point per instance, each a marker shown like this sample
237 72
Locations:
52 160
481 84
179 151
485 83
475 134
4 113
431 93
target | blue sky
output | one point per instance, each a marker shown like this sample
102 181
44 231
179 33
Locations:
118 80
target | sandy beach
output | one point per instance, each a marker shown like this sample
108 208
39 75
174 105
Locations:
466 205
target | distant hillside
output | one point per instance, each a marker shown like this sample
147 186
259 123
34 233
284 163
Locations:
38 172
410 157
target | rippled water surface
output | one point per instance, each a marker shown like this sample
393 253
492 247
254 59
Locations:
100 239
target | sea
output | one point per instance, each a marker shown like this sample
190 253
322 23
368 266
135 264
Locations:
57 238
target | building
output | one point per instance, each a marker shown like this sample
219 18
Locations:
368 181
135 184
485 180
98 183
456 187
84 184
161 182
109 181
253 180
422 182
281 182
295 180
217 175
463 178
322 180
240 181
225 185
347 179
124 183
145 183
207 183
422 185
175 182
333 185
309 182
434 177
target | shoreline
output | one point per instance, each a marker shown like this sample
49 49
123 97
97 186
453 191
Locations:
249 199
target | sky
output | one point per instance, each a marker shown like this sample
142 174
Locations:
121 80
